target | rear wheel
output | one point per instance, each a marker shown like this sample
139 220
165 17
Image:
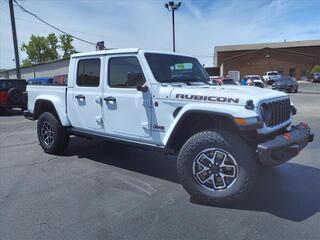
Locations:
53 137
217 167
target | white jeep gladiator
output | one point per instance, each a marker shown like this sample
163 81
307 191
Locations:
165 101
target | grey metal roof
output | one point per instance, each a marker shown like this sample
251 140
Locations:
305 43
35 65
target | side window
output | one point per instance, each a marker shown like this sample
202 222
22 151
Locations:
88 73
125 72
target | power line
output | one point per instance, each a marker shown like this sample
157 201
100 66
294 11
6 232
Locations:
50 25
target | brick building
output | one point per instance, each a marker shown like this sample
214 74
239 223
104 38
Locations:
294 59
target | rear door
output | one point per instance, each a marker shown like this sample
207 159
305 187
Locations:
85 112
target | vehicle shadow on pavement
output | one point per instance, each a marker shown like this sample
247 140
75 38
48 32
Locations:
143 161
10 112
290 191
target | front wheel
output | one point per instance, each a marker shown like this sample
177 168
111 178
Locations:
53 137
217 167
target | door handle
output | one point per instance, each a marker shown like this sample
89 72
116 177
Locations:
80 96
110 99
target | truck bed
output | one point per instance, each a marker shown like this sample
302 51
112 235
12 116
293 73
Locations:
56 94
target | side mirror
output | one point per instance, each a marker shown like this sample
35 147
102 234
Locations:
137 80
142 88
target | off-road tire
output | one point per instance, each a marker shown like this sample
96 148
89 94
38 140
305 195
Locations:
61 136
231 143
15 96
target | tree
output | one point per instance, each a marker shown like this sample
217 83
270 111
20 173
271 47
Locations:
42 49
37 50
66 46
316 68
53 45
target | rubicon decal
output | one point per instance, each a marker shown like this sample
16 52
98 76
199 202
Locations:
208 98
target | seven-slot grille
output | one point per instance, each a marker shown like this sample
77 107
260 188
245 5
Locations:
275 112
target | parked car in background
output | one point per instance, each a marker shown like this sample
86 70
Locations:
41 80
271 76
229 81
222 80
288 84
256 79
216 80
11 93
314 77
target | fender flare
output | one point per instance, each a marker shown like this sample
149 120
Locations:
227 111
60 113
170 135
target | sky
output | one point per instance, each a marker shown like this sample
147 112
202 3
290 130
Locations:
200 24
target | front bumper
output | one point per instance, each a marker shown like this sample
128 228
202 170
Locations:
284 147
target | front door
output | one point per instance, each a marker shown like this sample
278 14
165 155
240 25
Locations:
86 111
127 111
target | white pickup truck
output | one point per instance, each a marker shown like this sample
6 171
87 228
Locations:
271 77
165 101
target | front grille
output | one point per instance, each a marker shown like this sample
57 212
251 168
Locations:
276 112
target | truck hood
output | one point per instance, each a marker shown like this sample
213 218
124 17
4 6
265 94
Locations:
227 94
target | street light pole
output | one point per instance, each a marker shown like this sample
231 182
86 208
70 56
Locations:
173 33
171 6
14 36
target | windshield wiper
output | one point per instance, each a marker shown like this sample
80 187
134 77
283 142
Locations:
204 81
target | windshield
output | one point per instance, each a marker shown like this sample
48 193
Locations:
255 78
273 73
173 68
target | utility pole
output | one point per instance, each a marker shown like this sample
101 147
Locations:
171 6
14 36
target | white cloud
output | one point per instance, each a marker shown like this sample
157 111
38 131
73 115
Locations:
200 25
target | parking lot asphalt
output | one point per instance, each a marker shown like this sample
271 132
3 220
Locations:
101 190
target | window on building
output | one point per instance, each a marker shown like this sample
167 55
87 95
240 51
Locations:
125 72
88 73
304 72
280 71
292 72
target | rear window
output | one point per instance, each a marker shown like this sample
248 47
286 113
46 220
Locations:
285 80
88 73
7 84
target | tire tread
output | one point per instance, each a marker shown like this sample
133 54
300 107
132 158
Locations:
218 136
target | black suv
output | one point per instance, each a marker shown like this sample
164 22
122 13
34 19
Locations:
11 93
314 77
288 84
